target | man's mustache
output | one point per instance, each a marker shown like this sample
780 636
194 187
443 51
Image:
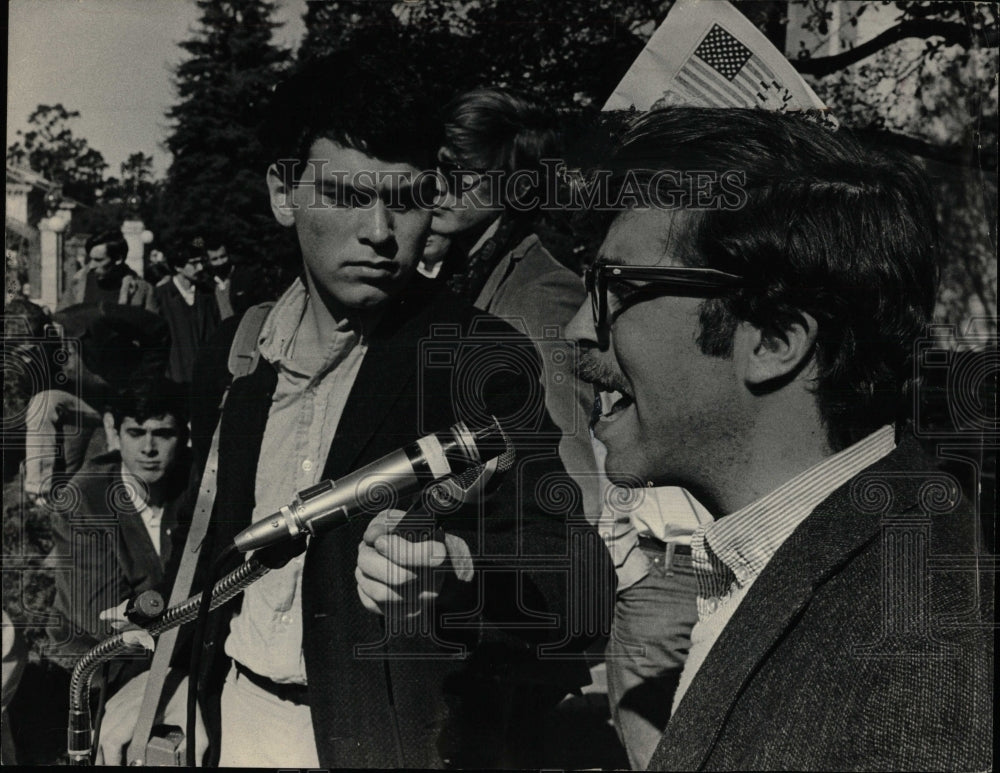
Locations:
595 371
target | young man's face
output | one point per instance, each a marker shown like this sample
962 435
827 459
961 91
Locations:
193 270
149 450
467 200
667 408
102 265
359 221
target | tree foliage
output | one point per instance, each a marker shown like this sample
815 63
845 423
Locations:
51 149
216 179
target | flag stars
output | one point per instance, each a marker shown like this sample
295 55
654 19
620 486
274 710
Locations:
723 52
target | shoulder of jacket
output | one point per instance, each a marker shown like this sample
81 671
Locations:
244 351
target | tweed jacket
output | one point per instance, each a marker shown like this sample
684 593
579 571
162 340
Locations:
135 291
865 644
539 296
468 690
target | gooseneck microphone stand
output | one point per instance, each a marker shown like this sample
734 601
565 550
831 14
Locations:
80 732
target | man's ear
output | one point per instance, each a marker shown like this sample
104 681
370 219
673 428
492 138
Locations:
771 356
281 197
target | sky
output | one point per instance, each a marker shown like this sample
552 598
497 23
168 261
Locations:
112 61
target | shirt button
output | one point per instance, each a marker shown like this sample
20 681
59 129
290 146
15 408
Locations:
307 465
286 619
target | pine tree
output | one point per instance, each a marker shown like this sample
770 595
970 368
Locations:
216 180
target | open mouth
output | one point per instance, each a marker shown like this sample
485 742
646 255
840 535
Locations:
608 404
611 393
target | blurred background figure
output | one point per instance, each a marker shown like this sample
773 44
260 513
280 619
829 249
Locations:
15 656
106 278
63 371
187 303
158 269
220 266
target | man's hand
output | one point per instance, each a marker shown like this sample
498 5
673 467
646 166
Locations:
401 577
122 713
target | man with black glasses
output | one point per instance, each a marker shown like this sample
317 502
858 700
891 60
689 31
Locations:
754 344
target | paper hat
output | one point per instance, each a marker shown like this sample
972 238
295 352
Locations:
707 54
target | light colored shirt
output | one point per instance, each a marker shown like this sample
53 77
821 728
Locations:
667 513
729 554
187 293
311 392
152 516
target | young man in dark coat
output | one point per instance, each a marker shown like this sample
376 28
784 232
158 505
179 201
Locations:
187 302
751 331
356 360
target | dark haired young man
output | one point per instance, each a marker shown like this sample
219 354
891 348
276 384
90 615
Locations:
142 488
188 305
106 277
356 361
751 330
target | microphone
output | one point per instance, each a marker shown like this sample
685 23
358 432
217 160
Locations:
433 459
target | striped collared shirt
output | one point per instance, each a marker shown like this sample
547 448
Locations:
730 553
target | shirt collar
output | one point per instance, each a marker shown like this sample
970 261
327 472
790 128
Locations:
746 540
277 335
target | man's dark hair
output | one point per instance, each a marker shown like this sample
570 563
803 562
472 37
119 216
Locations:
195 248
114 241
150 398
369 101
820 225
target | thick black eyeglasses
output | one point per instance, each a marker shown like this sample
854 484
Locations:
662 280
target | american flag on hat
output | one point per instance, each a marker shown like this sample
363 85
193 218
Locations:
707 54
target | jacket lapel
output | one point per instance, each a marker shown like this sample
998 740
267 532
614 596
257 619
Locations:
137 555
385 372
835 531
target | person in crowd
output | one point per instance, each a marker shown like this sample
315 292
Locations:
142 489
106 278
74 363
436 250
754 344
491 166
188 305
15 657
158 268
220 266
322 669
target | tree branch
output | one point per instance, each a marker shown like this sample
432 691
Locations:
960 155
952 32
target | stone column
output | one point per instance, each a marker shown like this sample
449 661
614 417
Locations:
132 229
50 231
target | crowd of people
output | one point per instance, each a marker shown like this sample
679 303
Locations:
736 371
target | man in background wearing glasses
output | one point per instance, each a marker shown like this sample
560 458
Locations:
189 309
755 347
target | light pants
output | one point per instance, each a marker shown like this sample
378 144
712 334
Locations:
650 638
260 730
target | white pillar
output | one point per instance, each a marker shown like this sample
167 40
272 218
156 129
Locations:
132 230
50 231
